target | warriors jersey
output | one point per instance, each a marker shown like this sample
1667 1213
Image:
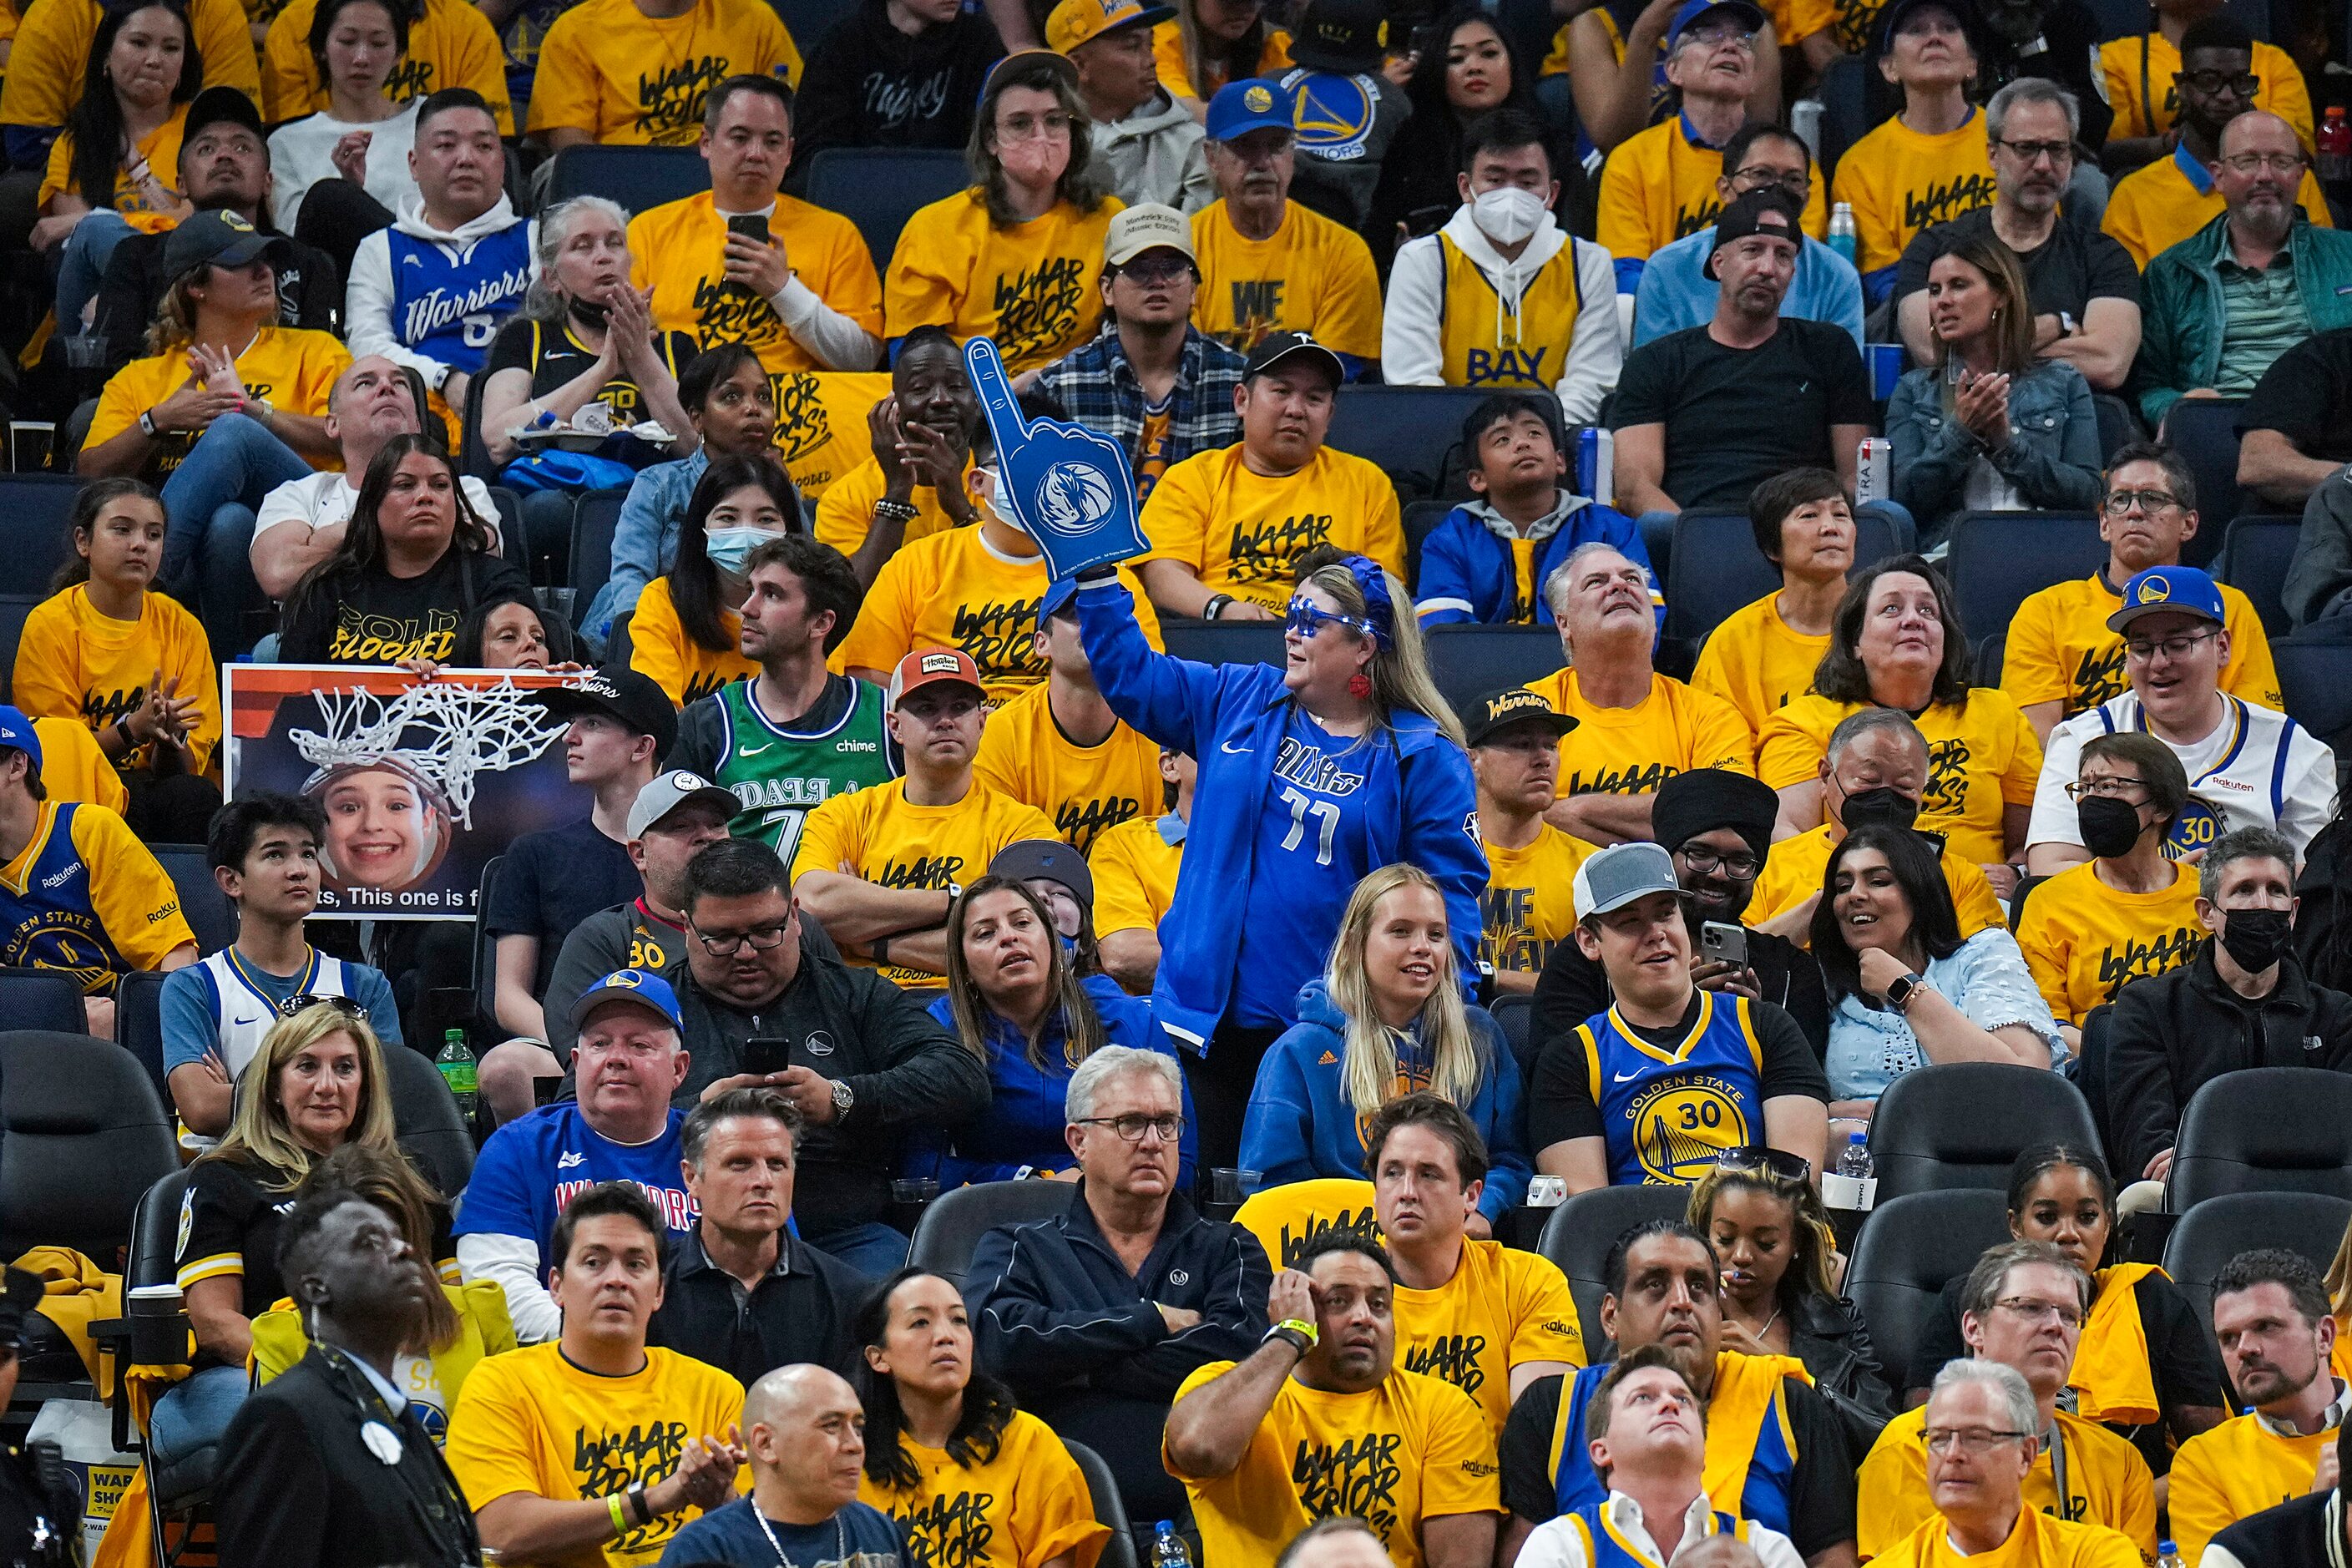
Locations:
85 896
1751 1445
243 1008
1670 1112
1521 341
780 776
448 299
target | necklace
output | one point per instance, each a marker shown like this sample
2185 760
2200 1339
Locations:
840 1539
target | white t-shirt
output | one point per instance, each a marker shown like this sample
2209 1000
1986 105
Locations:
321 501
1560 1542
2257 769
302 153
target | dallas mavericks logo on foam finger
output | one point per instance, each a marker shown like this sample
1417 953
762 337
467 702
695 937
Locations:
1068 487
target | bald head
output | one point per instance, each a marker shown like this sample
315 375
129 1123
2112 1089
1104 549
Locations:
806 1435
2255 127
2260 172
789 1393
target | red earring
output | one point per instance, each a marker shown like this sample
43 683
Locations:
1359 686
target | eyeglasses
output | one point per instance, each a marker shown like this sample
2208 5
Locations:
1778 1162
2286 165
1967 1440
2176 648
1132 1127
2120 502
2034 1311
727 944
1030 127
1157 270
1797 185
1739 866
1721 34
2034 152
2245 84
303 1000
2108 787
1305 617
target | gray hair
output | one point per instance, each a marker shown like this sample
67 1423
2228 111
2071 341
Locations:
1855 725
1991 1276
1112 1061
2031 90
1563 577
543 303
2005 1381
2241 844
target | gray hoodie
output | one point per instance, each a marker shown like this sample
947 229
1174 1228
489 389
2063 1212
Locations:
1155 156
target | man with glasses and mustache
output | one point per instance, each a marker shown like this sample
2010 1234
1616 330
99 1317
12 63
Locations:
2248 765
2023 1308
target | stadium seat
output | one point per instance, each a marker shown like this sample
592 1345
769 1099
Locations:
33 533
42 999
636 177
2120 425
1716 568
1467 661
1421 518
13 609
1845 116
82 1135
1285 1218
210 914
2218 1229
2091 1064
1110 1509
1224 642
594 521
139 1026
1413 433
1989 653
426 1116
2204 431
150 1259
486 973
879 188
1998 559
1933 1129
1910 1248
2311 666
1515 1016
1580 1233
2265 1130
951 1227
2254 558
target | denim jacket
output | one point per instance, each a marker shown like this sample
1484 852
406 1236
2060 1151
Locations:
2052 459
644 539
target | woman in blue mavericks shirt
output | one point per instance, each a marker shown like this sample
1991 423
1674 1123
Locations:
1312 776
1016 1000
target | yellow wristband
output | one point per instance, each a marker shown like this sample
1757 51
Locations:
1302 1326
620 1519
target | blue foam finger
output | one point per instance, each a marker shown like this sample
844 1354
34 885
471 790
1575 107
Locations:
1068 487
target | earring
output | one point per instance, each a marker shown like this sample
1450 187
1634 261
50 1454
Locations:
1359 686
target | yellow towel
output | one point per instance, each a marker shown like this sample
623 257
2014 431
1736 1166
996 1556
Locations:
2112 1380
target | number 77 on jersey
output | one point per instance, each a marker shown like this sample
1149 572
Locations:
1066 487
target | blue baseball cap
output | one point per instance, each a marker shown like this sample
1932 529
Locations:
1690 12
17 731
1242 107
2181 589
642 987
1058 598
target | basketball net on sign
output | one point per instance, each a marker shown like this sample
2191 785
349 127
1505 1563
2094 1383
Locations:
463 730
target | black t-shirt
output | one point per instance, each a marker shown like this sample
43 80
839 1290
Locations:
549 883
2188 1369
2066 51
372 617
2064 273
1821 1500
1560 1103
2306 396
1573 987
554 358
1735 416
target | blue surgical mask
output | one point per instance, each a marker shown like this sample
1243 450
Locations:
727 546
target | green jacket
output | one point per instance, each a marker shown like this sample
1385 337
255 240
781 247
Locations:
2181 304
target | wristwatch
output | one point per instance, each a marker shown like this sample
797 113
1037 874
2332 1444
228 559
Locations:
1900 990
147 425
843 1098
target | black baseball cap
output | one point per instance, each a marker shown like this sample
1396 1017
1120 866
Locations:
1276 347
622 694
216 104
221 238
1508 708
1771 210
1891 20
1340 36
1045 860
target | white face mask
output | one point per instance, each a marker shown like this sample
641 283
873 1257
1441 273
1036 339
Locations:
1508 215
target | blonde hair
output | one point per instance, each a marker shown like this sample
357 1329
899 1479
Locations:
1400 672
175 316
1368 1071
259 1133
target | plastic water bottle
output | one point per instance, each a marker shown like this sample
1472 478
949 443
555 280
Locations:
1842 229
1168 1548
2334 144
1852 1184
2167 1555
456 1065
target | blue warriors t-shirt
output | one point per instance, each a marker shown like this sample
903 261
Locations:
1314 844
1669 1111
447 301
531 1169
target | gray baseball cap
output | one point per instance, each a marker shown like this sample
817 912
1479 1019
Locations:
1615 876
669 791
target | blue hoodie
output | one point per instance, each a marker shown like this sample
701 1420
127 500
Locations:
1300 1125
1469 575
1021 1134
1230 719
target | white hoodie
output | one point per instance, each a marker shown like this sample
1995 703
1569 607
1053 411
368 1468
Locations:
367 299
1413 348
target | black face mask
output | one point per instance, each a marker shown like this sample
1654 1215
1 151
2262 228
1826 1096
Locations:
2110 826
2256 939
1882 804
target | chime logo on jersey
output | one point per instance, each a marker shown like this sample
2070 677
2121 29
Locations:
1682 1125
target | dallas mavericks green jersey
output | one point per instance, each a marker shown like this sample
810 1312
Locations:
780 776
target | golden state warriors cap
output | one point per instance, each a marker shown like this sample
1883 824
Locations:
1076 22
1242 107
2183 590
666 791
1512 706
1615 876
929 667
16 733
641 986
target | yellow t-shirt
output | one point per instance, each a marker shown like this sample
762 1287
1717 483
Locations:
159 150
2139 69
529 1421
1027 1506
1414 1448
1982 757
679 250
660 650
1757 662
2155 208
74 663
2107 1483
1793 21
1901 182
2060 650
2038 1542
1793 871
626 77
1658 186
1025 755
1502 1307
847 514
1031 287
957 589
1313 276
452 45
1243 533
2237 1469
821 431
45 63
293 367
880 838
1135 874
2086 941
73 768
121 898
1176 76
1529 904
1633 751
